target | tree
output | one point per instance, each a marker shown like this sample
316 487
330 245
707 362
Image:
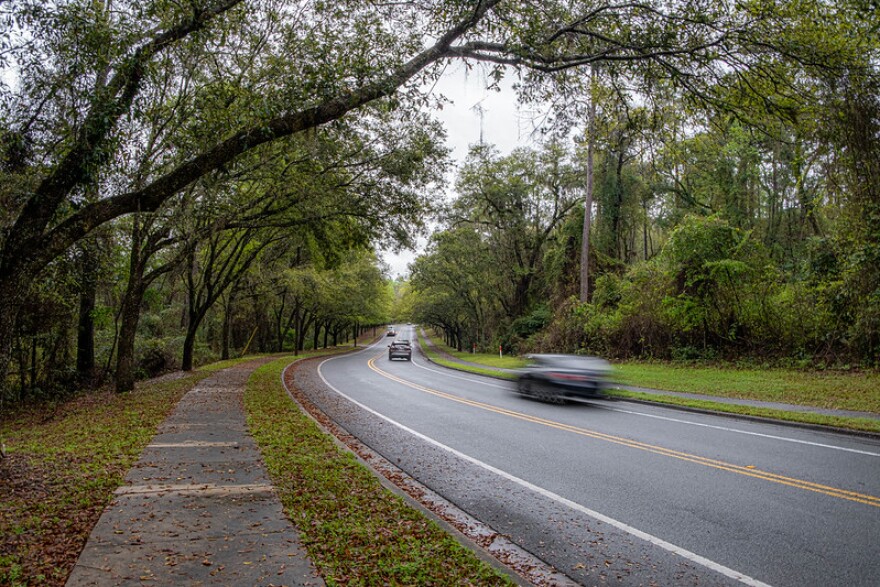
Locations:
50 172
458 286
89 76
515 203
149 235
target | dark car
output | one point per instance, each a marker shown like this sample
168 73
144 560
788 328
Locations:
556 378
400 349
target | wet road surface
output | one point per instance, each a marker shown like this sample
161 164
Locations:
613 493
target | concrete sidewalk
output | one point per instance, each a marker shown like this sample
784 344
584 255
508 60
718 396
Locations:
198 507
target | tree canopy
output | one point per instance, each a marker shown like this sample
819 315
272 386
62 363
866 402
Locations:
158 128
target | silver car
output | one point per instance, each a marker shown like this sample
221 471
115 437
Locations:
400 349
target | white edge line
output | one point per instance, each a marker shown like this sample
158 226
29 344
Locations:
668 546
489 383
737 431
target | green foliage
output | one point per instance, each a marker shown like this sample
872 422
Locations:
713 292
311 122
720 278
481 275
531 323
515 337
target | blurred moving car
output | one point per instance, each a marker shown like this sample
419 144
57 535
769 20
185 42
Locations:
557 378
391 332
400 349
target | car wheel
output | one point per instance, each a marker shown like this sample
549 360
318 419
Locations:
550 395
524 387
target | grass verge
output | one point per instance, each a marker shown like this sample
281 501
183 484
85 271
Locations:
437 357
487 359
64 462
858 391
356 531
859 424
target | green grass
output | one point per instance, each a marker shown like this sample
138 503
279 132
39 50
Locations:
356 531
65 460
857 391
436 357
488 359
492 362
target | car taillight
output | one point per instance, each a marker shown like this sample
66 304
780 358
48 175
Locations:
569 376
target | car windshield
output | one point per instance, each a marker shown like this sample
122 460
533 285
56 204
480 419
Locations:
568 362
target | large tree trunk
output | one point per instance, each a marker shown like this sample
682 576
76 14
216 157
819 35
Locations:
85 335
521 296
130 316
130 311
13 290
189 342
308 320
224 353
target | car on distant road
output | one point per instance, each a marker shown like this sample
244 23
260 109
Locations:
391 332
400 349
558 378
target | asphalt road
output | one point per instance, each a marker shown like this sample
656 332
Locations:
614 493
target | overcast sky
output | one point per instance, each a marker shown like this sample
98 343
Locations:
504 124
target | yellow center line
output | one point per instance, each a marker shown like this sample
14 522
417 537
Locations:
705 461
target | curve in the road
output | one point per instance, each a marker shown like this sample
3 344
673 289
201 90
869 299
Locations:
656 541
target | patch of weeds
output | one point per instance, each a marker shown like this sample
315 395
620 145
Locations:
11 573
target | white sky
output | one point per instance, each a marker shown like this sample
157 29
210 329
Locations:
504 124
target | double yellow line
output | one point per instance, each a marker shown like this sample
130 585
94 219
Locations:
691 458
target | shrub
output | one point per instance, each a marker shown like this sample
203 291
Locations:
155 356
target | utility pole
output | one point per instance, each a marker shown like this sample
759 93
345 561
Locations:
588 204
478 108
